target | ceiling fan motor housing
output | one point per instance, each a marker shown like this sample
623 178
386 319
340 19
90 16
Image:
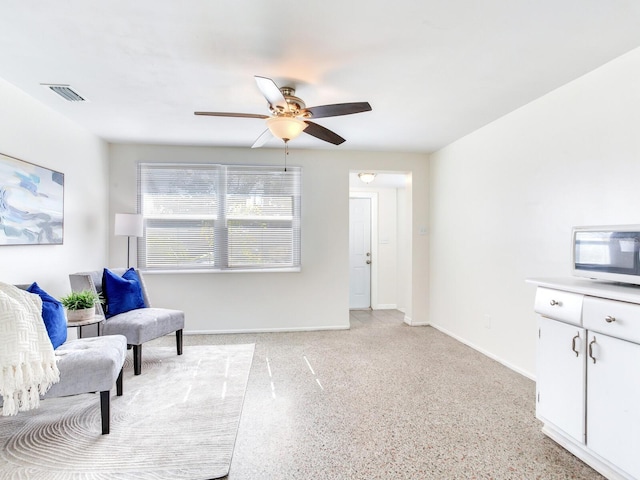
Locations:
296 105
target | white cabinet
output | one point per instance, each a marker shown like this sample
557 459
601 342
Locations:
561 369
613 381
588 373
613 392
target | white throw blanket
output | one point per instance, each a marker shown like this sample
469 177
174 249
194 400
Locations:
27 361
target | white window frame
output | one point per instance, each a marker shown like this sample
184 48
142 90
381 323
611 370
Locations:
223 220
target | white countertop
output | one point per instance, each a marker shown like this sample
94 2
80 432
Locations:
594 288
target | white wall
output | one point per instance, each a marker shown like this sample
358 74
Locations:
403 253
504 199
387 257
34 133
317 297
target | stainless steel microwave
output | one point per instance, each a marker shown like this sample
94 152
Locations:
609 253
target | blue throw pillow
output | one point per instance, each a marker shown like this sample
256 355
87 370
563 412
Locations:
53 315
122 293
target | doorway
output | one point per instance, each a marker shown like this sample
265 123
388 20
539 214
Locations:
385 282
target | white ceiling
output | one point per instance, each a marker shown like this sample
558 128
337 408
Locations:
433 70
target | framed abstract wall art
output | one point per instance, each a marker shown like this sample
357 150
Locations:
31 203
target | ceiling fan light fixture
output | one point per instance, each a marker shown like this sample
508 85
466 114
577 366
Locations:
285 128
367 177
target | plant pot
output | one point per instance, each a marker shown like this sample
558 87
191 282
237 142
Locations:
80 315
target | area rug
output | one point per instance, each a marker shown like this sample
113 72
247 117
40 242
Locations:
178 420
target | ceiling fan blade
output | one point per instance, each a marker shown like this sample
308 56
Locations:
272 93
323 133
262 139
338 109
228 114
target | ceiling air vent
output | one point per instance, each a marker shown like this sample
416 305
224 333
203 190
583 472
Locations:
66 92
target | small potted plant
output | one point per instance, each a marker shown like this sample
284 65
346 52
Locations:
80 306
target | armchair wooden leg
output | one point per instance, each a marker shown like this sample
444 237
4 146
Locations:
137 359
119 383
179 341
105 403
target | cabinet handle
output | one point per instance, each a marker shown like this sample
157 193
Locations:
573 344
609 319
553 303
591 349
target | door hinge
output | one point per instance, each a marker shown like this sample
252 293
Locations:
539 332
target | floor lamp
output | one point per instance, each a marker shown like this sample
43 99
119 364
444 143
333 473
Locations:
128 225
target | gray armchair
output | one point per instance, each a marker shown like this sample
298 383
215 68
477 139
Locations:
89 365
138 326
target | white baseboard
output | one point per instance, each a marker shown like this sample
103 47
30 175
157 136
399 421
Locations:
529 375
386 306
409 321
265 330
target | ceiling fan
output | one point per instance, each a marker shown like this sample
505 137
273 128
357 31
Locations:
290 116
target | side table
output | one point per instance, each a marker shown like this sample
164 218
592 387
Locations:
97 319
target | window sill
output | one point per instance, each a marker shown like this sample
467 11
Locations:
215 271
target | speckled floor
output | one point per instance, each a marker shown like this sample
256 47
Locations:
386 401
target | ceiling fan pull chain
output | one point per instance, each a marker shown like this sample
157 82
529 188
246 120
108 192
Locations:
286 153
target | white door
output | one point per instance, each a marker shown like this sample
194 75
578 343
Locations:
561 370
359 253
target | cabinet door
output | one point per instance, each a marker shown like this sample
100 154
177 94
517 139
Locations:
560 382
613 393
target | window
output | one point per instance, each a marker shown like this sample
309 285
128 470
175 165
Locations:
219 217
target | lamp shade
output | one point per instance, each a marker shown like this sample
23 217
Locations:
286 128
129 225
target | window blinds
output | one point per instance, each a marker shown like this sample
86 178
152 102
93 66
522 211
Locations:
221 217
